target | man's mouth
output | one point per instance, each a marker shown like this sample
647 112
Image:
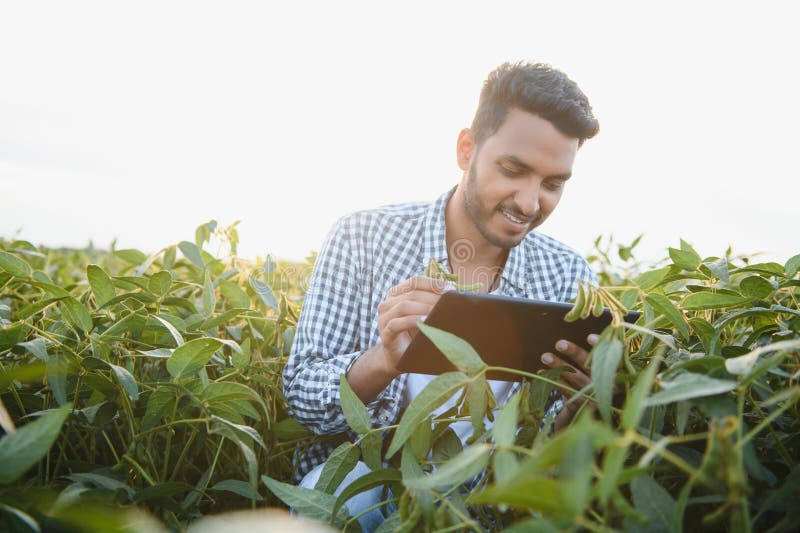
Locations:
516 219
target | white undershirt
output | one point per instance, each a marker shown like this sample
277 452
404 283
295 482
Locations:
417 382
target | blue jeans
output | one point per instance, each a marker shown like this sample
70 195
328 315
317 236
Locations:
358 503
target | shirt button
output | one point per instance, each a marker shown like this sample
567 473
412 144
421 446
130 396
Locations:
383 418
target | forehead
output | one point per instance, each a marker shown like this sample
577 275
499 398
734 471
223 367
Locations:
533 140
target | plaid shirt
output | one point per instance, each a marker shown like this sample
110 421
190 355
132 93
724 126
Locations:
364 255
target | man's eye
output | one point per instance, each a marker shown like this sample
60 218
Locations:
509 171
554 186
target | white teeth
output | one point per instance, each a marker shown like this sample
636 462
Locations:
512 218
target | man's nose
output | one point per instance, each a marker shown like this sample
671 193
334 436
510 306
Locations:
527 198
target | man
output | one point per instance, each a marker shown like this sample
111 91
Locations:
367 294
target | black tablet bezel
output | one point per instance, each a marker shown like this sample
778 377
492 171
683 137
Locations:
505 331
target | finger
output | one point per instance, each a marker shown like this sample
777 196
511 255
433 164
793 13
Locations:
401 309
423 283
400 325
420 296
574 352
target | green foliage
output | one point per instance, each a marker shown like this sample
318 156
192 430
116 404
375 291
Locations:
156 383
168 371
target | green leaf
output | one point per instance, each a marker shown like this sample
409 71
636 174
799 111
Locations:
431 397
458 351
340 462
470 462
191 357
76 314
247 451
227 391
35 307
371 448
246 430
505 465
665 307
203 232
265 293
233 294
686 259
223 318
314 504
756 287
209 298
289 429
650 279
192 253
613 462
792 266
744 364
132 256
127 381
420 440
354 410
172 331
160 283
57 378
606 355
101 482
159 403
504 430
169 257
161 490
37 346
478 401
654 502
102 287
708 300
242 359
366 482
533 525
25 447
720 269
541 494
687 385
14 265
22 516
236 486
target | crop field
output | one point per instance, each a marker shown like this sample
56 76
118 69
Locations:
142 392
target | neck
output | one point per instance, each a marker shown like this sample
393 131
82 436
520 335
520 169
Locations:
466 246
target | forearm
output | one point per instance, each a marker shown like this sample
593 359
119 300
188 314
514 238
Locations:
371 374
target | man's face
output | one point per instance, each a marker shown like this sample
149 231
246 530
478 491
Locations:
516 177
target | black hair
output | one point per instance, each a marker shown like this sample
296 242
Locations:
536 88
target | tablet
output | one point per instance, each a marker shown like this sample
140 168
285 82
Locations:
505 331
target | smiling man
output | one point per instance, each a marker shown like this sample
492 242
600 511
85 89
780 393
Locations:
367 294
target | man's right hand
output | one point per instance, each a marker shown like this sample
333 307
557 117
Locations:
405 305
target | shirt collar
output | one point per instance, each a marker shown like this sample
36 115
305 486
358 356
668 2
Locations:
517 269
434 239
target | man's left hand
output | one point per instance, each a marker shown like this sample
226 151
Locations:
579 378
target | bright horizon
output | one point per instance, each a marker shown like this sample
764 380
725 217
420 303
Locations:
141 122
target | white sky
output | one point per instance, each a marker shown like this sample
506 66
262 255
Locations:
140 121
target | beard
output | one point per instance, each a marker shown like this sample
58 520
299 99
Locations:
481 215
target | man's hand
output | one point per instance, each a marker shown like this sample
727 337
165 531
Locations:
406 304
578 379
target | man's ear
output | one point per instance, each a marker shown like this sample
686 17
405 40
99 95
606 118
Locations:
465 148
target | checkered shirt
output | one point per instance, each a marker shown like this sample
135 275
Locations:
364 255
